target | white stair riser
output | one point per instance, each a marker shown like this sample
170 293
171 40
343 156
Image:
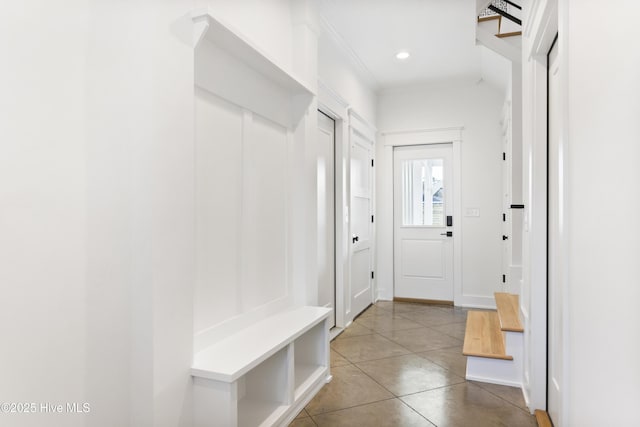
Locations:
491 26
509 26
499 371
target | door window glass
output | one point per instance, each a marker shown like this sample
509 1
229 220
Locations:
423 192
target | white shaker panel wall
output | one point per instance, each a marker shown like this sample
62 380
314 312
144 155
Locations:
219 203
247 107
242 210
264 223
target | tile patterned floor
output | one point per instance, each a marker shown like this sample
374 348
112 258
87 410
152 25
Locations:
401 364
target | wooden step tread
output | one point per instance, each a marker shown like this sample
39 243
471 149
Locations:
489 18
483 337
512 34
543 419
508 312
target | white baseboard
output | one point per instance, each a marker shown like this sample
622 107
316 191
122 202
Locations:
473 301
527 400
334 332
494 381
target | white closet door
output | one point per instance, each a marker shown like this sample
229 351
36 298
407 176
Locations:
556 237
361 226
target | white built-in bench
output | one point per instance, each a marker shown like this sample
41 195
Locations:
265 374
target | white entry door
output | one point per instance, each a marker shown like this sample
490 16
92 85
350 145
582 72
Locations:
326 215
423 202
361 226
555 236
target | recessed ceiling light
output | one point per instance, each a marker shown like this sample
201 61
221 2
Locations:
403 55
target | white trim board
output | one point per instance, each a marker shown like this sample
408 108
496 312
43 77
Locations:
422 136
362 70
331 103
541 24
384 227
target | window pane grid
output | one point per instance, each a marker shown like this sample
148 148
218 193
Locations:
423 192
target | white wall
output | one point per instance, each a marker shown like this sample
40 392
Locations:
604 238
477 107
97 195
336 70
600 133
266 23
43 220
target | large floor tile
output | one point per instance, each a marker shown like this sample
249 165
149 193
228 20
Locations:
455 330
449 358
303 422
349 387
367 347
510 394
354 330
386 322
436 316
464 405
400 307
423 339
302 414
388 413
337 359
408 374
373 309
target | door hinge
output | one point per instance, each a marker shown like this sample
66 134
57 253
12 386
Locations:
371 162
504 217
504 278
504 156
372 275
371 218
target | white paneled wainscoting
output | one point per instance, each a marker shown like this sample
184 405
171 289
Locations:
259 356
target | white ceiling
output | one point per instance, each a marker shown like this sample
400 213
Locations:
439 34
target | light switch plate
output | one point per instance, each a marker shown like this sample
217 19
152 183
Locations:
473 212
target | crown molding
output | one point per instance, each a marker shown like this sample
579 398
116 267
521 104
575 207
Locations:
361 69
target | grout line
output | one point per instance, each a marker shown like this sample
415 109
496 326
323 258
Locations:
404 348
386 331
354 406
383 358
374 380
474 383
462 380
459 380
333 349
433 389
417 412
442 366
386 357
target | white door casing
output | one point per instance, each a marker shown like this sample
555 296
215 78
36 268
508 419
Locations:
556 239
361 210
326 214
423 199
